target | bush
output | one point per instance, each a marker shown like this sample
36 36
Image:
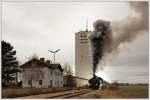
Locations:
113 87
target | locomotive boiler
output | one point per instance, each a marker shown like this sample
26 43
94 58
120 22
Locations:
95 82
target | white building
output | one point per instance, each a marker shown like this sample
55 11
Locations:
41 74
83 59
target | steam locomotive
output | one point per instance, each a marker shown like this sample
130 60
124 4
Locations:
94 82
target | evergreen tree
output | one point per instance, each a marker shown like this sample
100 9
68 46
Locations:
9 64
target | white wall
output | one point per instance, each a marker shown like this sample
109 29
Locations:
58 80
83 59
45 76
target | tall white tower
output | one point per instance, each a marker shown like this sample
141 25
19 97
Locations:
83 59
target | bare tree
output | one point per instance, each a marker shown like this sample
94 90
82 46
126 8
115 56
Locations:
68 72
67 69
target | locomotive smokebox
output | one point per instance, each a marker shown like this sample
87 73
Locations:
95 81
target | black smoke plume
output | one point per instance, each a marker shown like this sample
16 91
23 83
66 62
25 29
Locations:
124 31
98 38
128 29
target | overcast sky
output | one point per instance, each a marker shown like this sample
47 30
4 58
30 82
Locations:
36 27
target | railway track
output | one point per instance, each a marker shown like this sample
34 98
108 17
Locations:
63 94
72 94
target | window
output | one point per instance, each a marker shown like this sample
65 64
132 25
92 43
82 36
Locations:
29 82
83 42
40 82
58 83
58 74
61 74
55 73
51 83
51 73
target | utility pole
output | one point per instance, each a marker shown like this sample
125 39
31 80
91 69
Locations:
54 52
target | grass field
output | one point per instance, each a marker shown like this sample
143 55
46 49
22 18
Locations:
18 92
133 91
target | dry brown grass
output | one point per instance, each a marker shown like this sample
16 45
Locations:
18 92
122 92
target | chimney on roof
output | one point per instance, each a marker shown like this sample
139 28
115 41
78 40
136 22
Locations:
48 61
42 59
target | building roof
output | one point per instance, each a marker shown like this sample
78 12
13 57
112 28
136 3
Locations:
45 64
56 66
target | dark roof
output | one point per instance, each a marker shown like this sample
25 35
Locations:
52 66
57 66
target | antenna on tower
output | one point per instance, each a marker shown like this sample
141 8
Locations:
87 25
